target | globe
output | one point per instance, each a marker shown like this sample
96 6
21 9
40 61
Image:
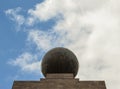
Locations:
60 60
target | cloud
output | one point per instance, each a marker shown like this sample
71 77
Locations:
45 40
51 8
90 28
91 31
15 16
41 39
27 62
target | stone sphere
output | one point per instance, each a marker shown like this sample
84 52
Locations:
59 60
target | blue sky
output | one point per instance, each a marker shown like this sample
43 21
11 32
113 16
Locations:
12 43
90 28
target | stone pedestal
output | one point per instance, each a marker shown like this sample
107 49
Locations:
59 81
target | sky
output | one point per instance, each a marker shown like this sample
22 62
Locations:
89 28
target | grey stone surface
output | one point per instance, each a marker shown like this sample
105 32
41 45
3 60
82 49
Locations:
63 81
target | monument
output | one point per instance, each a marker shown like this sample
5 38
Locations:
59 66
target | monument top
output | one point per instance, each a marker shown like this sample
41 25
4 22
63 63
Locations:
59 60
59 67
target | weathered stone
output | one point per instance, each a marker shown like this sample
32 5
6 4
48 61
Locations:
63 81
59 67
59 60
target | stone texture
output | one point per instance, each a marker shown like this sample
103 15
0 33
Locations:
59 81
60 60
59 66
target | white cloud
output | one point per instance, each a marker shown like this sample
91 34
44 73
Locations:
90 28
51 8
15 16
45 40
40 38
27 62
